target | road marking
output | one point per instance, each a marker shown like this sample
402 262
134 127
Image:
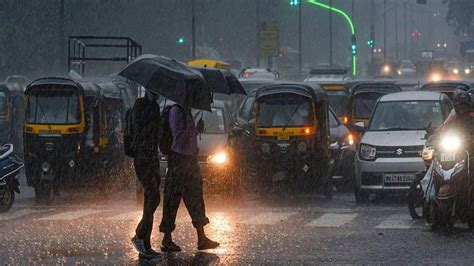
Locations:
18 213
332 220
398 221
71 215
268 218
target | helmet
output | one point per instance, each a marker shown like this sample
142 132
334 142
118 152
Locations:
460 96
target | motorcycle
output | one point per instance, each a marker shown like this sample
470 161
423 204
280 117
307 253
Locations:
10 166
451 184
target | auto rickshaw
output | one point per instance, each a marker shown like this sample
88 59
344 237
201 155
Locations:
209 63
72 134
11 110
363 97
338 95
287 137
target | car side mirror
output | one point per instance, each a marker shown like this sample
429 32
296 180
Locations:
360 127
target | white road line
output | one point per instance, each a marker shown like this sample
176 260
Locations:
268 218
332 220
71 215
18 213
398 221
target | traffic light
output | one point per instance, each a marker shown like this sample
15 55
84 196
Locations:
354 49
180 40
371 43
295 2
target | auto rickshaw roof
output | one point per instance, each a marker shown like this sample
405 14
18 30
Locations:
444 84
301 89
329 85
11 89
363 87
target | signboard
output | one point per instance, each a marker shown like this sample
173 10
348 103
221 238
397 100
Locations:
269 39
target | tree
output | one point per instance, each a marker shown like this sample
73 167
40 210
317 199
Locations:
460 14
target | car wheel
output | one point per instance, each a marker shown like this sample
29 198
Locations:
416 199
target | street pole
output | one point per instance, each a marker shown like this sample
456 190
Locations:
330 33
193 26
300 56
384 31
257 13
372 33
405 29
396 30
62 39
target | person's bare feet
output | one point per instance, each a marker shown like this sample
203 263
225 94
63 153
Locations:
206 243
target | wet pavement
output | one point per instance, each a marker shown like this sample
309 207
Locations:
275 229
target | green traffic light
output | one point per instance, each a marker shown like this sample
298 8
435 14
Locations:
295 2
180 40
370 43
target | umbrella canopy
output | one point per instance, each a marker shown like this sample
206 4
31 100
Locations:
221 81
171 79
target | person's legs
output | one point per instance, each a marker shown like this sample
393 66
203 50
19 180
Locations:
194 202
147 171
171 201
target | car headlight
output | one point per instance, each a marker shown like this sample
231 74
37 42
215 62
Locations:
218 158
450 143
367 152
45 167
302 147
427 154
399 72
467 71
265 148
456 71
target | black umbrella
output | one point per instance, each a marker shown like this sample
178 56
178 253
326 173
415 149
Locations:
171 79
221 81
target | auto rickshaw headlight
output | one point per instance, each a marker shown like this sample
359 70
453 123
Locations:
265 148
218 158
302 147
467 71
45 167
367 152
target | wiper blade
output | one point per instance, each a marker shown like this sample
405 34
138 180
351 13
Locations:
43 112
292 115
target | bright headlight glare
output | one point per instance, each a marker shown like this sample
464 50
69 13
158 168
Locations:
399 72
265 147
467 71
450 143
456 71
367 152
218 158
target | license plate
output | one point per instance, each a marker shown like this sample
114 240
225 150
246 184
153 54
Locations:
283 136
448 157
399 178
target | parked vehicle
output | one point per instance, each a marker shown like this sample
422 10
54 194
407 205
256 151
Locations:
390 150
11 114
283 134
73 134
259 73
10 166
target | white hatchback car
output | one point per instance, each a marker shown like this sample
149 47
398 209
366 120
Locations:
389 153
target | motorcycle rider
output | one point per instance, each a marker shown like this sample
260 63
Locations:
459 120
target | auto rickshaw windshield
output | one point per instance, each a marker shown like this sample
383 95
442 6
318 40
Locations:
338 101
364 103
285 110
3 103
53 106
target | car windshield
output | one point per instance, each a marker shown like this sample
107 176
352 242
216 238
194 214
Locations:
284 110
214 122
338 101
53 106
3 103
406 115
364 103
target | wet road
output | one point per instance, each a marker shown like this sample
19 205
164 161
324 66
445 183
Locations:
252 230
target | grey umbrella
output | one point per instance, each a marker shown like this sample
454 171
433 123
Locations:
171 79
221 81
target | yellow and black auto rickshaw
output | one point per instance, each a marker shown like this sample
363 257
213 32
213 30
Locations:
72 134
11 110
362 100
338 95
287 138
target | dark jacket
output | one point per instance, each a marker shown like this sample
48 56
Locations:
146 126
